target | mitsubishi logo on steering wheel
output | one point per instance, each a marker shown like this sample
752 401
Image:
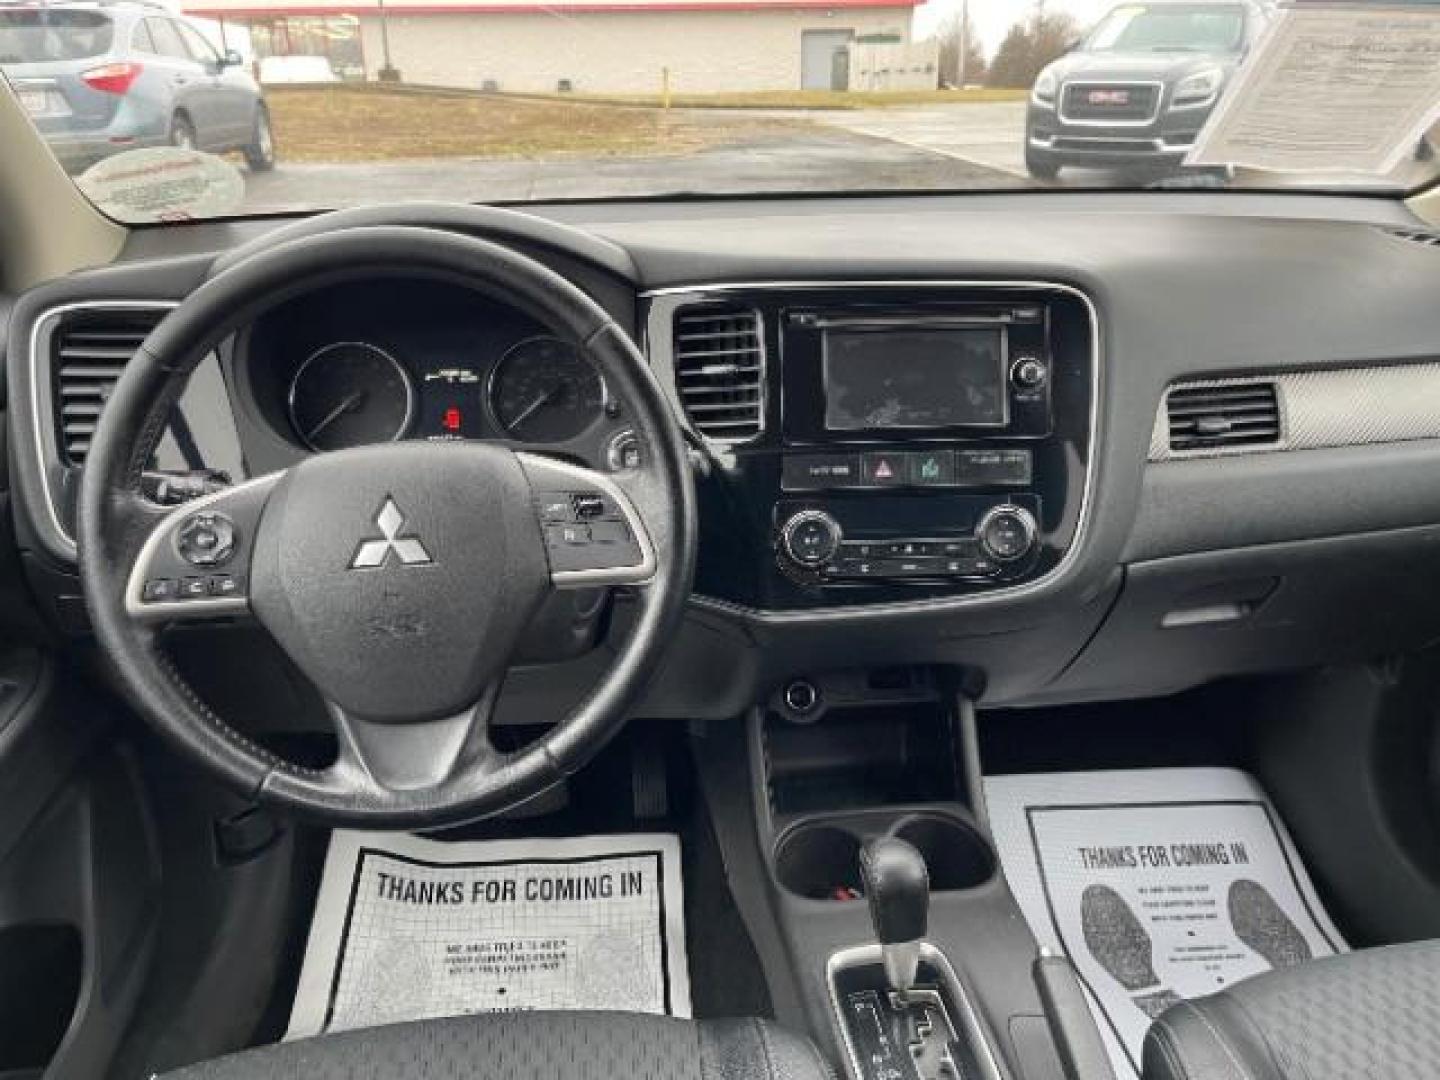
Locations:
373 554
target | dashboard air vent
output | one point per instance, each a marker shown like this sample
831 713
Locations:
720 371
1429 238
88 351
1219 417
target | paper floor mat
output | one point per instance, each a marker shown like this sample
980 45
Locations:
1159 884
406 929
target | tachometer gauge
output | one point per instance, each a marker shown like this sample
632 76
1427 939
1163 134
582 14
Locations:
350 393
545 390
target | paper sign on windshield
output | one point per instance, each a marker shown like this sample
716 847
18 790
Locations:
1331 90
163 183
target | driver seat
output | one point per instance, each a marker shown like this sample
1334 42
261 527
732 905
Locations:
533 1046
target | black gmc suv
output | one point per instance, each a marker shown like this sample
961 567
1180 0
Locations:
1139 87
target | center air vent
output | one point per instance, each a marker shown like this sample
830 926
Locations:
1219 417
88 351
720 371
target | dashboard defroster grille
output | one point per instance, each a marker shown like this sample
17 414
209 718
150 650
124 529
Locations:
720 371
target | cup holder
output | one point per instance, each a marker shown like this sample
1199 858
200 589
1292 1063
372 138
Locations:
957 856
821 861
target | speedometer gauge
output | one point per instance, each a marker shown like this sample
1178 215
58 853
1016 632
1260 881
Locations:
350 393
545 390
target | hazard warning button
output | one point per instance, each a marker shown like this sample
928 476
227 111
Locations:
883 470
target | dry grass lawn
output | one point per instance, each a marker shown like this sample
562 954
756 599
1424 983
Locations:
347 124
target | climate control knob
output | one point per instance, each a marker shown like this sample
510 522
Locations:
811 538
1007 533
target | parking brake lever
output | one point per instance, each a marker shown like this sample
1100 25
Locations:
897 887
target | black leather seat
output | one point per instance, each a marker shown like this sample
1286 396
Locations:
533 1046
1373 1015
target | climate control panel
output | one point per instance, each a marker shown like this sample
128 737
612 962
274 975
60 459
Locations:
862 540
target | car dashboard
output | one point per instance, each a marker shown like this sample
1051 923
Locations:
1013 434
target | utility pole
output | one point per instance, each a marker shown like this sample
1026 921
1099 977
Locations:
387 71
964 42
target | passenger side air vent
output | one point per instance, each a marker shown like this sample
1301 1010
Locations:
1219 417
88 351
720 371
1427 237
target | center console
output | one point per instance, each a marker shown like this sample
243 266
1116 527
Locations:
908 440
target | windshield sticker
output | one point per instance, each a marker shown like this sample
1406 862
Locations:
163 184
1350 91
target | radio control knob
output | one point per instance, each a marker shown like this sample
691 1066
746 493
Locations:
811 538
1029 373
1007 533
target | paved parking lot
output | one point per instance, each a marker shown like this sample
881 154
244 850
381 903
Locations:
984 134
956 147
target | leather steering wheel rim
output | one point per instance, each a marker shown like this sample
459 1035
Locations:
116 522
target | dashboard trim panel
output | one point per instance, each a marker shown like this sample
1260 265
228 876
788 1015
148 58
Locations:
1338 407
1040 586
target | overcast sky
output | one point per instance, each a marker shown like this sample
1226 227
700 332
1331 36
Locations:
991 18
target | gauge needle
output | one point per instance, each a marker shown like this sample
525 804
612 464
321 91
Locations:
340 410
535 406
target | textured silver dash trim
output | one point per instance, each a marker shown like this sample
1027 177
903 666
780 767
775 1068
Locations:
1318 409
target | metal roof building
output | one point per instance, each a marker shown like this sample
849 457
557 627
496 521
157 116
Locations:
589 46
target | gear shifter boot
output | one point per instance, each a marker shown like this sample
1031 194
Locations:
897 887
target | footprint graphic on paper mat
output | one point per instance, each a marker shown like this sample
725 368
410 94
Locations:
1263 925
1120 944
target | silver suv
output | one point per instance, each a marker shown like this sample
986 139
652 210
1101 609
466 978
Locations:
102 78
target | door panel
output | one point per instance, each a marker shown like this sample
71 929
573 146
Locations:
818 63
229 101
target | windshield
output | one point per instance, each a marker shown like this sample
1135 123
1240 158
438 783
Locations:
232 107
1207 28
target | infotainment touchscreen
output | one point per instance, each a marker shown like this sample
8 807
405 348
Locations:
917 378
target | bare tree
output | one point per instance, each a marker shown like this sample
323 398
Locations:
1029 46
962 60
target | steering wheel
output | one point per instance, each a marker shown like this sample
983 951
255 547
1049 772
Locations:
398 577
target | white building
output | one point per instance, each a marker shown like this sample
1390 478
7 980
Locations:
593 46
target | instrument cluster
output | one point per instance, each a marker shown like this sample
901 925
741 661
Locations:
376 362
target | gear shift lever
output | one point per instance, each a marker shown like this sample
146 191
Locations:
897 887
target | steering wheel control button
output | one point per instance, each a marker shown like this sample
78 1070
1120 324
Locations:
623 452
601 546
160 590
555 507
1007 533
206 539
589 506
222 585
192 588
811 538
